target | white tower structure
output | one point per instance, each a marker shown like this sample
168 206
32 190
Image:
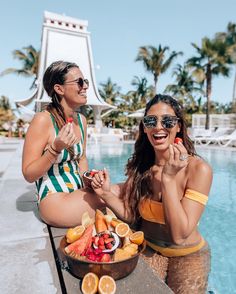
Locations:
66 38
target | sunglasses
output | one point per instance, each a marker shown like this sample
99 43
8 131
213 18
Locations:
80 82
167 121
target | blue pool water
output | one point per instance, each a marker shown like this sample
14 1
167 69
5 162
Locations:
218 224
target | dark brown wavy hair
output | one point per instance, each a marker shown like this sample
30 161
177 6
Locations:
139 176
56 74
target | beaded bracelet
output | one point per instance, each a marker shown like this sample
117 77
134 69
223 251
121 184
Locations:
52 151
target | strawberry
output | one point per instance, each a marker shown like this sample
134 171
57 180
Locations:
98 251
99 257
101 241
92 257
105 236
69 120
109 246
93 173
106 258
102 247
109 240
178 140
96 239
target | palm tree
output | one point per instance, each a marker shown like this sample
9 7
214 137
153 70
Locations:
212 60
155 60
5 103
184 87
29 57
6 113
185 83
109 91
142 89
229 37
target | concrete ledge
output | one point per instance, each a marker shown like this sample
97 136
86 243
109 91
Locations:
27 261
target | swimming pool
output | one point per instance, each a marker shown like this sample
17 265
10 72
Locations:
218 221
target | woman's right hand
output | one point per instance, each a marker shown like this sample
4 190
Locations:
101 183
65 138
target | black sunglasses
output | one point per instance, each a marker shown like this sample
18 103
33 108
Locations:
80 82
167 121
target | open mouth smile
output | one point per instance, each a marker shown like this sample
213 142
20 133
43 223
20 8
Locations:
160 138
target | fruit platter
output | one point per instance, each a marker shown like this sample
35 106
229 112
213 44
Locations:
104 246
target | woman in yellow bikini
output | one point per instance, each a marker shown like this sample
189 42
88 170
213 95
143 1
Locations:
166 190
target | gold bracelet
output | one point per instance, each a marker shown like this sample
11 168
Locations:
52 151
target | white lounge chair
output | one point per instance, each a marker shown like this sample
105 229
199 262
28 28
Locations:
213 138
111 135
227 140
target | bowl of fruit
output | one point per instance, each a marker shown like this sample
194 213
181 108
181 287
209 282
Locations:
104 246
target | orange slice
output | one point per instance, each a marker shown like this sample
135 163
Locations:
90 284
137 237
122 230
74 234
115 222
106 285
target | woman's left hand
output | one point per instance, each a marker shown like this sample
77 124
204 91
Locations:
178 159
101 183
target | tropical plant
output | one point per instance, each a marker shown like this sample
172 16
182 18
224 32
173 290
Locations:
5 103
212 60
29 57
155 60
229 37
184 88
6 114
109 91
143 91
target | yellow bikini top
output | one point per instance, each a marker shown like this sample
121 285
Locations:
152 210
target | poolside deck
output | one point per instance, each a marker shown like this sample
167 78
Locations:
28 264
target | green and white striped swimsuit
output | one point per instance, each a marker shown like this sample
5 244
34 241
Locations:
63 176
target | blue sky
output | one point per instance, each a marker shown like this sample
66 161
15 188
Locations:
118 29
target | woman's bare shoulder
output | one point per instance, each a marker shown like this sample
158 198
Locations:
199 175
41 119
198 164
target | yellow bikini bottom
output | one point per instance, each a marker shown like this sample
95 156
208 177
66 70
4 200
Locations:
174 252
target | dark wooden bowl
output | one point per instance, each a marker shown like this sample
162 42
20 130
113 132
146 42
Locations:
116 269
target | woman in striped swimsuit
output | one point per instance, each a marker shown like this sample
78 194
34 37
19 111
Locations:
54 155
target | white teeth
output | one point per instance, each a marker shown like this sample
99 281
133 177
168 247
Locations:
159 136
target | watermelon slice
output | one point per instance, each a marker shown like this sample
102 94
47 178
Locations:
83 243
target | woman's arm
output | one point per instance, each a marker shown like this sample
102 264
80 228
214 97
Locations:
110 194
183 215
34 164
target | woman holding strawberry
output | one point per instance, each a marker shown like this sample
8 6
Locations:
54 155
165 192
